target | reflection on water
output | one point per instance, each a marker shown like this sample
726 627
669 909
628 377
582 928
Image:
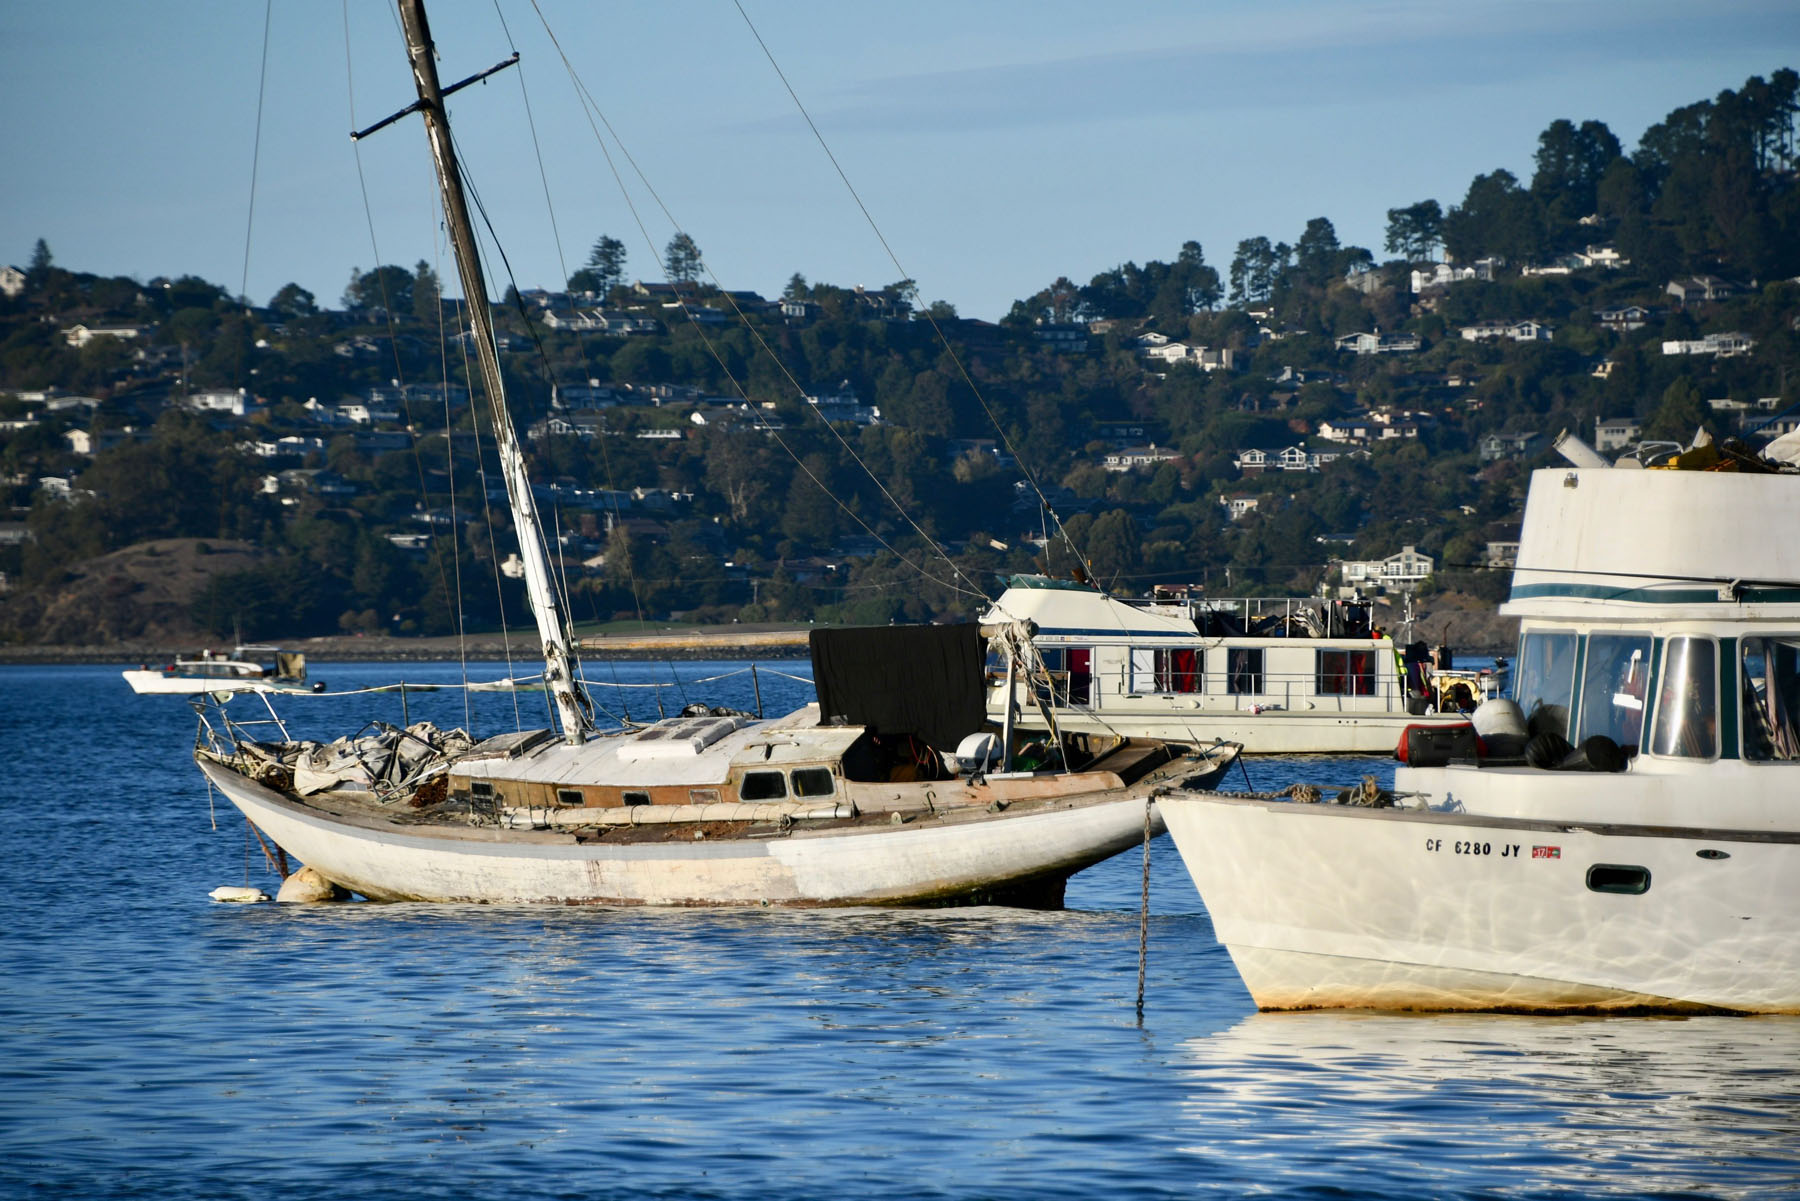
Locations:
1582 1105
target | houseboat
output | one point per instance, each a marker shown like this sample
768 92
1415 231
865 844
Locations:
1284 676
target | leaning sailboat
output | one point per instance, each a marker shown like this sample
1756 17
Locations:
893 788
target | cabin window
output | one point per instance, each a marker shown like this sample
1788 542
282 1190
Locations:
1166 669
1178 669
1545 681
762 786
481 788
1771 698
813 781
570 796
634 798
1345 673
1071 675
1687 700
1244 670
1614 681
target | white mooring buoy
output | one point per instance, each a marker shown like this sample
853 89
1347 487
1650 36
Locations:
238 896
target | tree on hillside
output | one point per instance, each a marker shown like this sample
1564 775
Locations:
605 269
1256 268
681 260
294 301
1570 161
1415 231
426 294
387 288
1496 217
796 287
40 260
1316 253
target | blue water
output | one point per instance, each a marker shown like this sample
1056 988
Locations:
156 1044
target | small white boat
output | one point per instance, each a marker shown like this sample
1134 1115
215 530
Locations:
1660 638
244 669
1279 676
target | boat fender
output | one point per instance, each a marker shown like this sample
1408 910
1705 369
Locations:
1500 723
238 896
1598 753
1547 750
306 887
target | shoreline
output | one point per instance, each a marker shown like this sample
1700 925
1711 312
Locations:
744 644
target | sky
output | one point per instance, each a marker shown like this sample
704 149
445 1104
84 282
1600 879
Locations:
996 144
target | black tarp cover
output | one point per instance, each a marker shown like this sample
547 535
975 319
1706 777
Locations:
922 680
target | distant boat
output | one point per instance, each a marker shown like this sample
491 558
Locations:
1629 840
1278 676
891 790
246 668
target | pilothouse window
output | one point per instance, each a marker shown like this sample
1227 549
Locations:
1771 698
1687 705
1614 687
1546 680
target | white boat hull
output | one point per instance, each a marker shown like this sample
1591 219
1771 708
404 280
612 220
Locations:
155 683
1327 906
949 862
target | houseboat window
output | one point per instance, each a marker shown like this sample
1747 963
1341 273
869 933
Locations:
1071 675
762 786
1345 673
570 796
1244 670
1687 703
1613 689
1771 698
1546 679
812 781
1177 669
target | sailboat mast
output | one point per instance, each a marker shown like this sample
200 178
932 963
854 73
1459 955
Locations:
558 674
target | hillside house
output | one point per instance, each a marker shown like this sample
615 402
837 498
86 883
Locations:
1062 338
1442 275
1725 346
1130 458
1510 444
1379 343
1698 289
1405 570
1516 331
232 402
1239 503
1624 318
1616 433
79 336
